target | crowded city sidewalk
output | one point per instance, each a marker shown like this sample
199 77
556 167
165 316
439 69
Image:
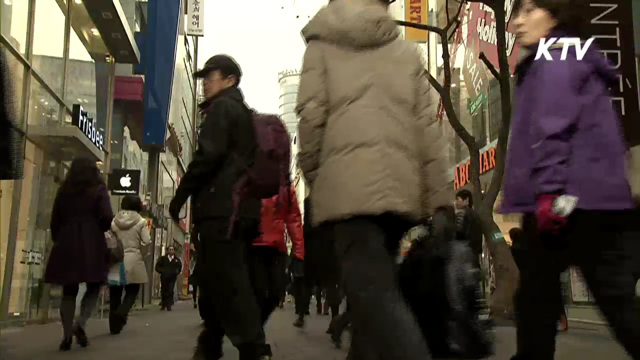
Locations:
153 334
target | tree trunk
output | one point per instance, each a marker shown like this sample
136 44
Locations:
504 267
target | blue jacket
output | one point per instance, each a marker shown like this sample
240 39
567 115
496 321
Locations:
566 137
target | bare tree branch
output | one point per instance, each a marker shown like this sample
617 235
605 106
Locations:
489 65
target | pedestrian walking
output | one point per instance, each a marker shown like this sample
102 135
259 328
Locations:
566 173
169 267
80 217
268 256
226 215
128 276
372 151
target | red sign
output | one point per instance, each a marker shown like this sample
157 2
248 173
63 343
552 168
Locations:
462 176
481 32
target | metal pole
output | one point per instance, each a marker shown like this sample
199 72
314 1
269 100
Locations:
109 122
11 249
152 185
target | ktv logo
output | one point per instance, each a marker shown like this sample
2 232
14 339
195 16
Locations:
564 43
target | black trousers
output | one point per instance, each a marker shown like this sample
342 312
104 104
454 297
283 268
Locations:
167 286
267 267
195 294
228 298
383 326
119 306
598 243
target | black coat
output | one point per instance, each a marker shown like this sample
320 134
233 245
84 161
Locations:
469 228
169 269
226 149
78 223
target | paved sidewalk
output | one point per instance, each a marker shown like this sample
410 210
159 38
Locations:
171 335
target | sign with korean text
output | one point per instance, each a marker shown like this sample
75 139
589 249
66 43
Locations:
610 23
195 17
475 104
88 126
416 11
462 176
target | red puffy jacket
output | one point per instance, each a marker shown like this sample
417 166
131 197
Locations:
273 226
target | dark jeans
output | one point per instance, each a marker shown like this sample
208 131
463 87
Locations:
267 267
119 307
195 294
598 243
227 293
383 326
167 286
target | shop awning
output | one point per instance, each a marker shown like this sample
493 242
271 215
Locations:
63 143
111 22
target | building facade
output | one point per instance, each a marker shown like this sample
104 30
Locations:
58 62
64 71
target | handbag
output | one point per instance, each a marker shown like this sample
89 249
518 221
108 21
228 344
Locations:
116 249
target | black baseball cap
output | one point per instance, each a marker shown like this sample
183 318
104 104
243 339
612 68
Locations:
226 64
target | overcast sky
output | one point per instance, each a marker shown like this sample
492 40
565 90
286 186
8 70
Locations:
263 36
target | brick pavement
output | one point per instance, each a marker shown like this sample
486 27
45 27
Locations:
161 335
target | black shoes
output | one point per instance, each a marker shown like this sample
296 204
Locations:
65 345
81 336
116 323
299 323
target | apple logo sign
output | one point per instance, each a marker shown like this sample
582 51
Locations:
125 181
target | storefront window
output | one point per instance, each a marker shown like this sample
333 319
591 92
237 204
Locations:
14 24
15 69
81 75
43 108
48 42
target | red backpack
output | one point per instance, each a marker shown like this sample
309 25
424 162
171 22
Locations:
269 175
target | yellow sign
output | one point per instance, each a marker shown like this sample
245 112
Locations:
416 11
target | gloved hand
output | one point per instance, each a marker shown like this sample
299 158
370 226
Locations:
548 220
174 209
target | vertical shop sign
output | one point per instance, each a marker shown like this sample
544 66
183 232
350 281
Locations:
416 11
195 17
611 24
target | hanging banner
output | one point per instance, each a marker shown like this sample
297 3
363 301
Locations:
611 24
416 11
195 17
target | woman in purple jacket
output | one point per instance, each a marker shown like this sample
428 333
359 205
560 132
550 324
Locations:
566 172
80 217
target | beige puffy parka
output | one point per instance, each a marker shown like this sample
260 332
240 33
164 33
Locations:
369 139
131 229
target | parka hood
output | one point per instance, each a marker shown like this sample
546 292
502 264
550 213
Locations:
126 219
355 24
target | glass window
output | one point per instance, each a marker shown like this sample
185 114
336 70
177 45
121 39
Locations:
14 24
81 74
15 69
48 43
43 108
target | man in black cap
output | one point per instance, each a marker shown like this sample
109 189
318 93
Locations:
226 148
